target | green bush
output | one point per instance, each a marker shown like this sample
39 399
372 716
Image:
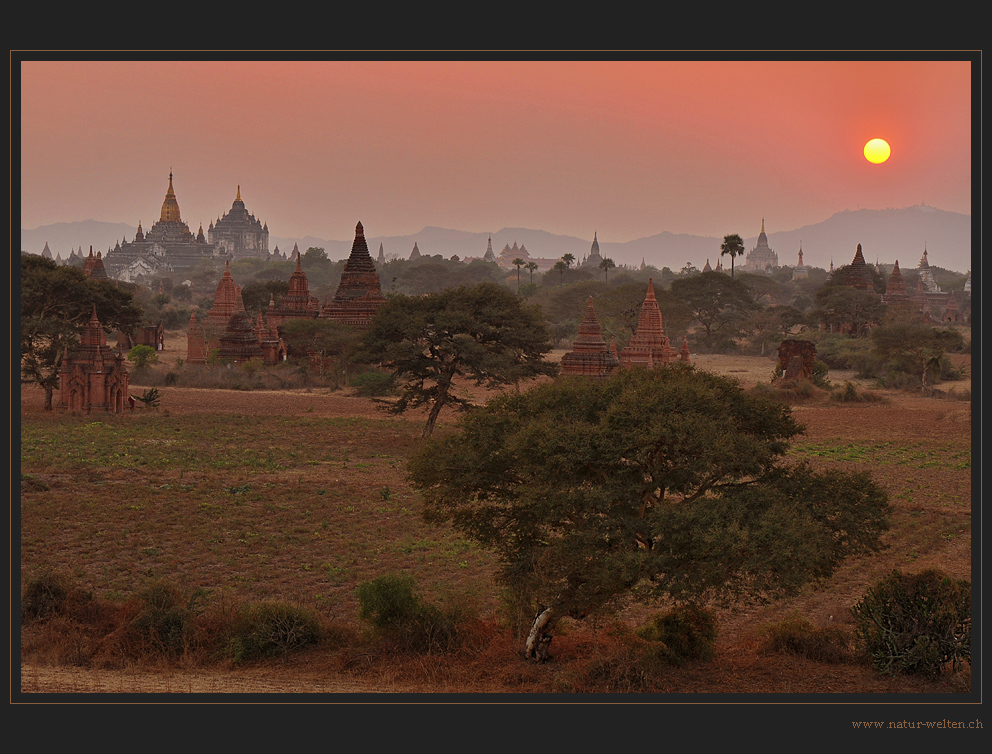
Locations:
391 606
796 635
272 629
850 394
373 383
165 617
915 623
45 596
687 632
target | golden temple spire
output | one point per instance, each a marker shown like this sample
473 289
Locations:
238 198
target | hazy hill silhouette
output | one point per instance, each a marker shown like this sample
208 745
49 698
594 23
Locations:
885 235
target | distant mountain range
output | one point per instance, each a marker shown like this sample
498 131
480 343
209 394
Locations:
885 235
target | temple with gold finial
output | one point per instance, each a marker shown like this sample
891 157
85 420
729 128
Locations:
761 258
168 246
239 233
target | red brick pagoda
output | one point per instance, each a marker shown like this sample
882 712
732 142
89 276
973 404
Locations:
94 376
590 356
359 293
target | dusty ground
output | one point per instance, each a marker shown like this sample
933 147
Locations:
903 417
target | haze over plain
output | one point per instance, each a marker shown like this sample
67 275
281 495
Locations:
624 149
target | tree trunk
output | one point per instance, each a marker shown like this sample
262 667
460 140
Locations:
48 397
436 408
539 638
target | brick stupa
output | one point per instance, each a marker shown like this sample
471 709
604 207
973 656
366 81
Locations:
94 376
858 275
227 301
93 266
240 342
590 356
359 293
650 347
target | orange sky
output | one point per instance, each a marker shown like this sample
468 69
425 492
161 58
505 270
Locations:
626 149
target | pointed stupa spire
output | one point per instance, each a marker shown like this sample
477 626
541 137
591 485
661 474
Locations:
238 197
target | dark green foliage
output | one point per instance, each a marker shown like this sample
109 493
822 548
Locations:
666 480
915 623
165 617
56 302
796 635
272 629
916 349
720 304
141 356
391 606
484 333
687 632
733 245
373 383
45 596
152 397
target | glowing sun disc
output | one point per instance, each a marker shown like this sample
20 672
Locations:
877 150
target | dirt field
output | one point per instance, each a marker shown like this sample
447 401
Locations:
916 489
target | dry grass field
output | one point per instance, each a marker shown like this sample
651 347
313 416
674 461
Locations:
301 495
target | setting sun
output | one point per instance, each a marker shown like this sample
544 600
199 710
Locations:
877 150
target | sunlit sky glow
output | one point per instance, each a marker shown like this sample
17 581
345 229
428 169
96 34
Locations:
624 148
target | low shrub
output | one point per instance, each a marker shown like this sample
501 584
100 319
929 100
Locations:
165 617
401 618
373 383
686 632
796 635
850 394
45 596
272 629
915 623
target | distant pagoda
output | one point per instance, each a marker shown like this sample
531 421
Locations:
359 294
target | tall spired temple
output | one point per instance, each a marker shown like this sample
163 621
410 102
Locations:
93 376
650 347
590 356
761 258
169 245
239 233
359 293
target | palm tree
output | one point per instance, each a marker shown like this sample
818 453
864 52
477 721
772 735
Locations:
531 266
733 245
606 265
568 259
561 267
518 263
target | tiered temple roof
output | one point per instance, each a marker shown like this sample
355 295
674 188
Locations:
239 233
649 346
94 376
359 294
858 276
590 356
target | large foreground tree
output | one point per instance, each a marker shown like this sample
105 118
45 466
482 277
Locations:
485 333
656 483
56 302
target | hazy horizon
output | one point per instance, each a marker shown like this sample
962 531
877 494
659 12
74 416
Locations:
622 149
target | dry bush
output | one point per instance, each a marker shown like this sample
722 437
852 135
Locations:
796 635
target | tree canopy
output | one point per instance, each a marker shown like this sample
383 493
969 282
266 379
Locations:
654 483
720 304
56 301
485 333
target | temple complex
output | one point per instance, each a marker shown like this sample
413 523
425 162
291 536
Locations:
359 294
594 257
649 346
590 356
93 266
761 258
169 245
94 376
239 234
